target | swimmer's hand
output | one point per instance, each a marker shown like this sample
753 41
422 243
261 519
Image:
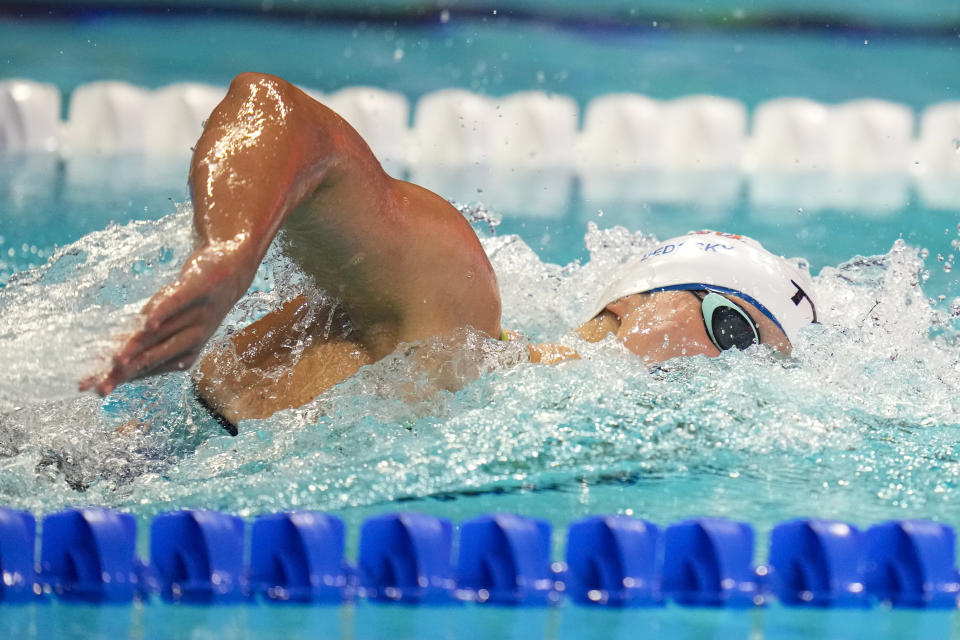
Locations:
180 318
549 353
543 353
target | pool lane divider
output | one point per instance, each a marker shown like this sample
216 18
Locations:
198 557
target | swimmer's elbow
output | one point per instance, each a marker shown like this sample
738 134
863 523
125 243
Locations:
243 82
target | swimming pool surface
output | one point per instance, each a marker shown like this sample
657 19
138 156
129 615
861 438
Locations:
861 424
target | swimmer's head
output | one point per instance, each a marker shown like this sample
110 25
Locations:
737 267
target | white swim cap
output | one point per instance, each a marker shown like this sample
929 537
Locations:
726 263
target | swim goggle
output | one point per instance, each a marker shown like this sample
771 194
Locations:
728 325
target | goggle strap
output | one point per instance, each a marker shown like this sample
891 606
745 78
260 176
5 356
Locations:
698 286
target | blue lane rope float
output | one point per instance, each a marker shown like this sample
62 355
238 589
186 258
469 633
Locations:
197 557
613 561
298 557
709 562
505 559
819 563
89 555
405 557
17 535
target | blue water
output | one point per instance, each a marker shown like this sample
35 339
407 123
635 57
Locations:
371 622
861 424
497 56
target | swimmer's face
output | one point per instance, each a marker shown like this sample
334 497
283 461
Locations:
666 324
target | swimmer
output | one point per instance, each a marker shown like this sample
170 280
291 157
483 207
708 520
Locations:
402 264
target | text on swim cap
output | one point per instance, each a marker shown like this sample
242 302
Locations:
706 247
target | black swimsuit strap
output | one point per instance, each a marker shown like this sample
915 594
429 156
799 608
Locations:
216 415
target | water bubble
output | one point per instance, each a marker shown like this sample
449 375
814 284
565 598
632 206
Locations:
445 16
398 55
924 253
956 145
940 257
947 267
800 211
955 308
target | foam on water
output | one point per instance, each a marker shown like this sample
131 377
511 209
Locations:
860 422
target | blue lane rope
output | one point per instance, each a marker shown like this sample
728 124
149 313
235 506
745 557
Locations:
197 557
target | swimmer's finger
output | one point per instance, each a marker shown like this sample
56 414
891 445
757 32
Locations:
181 362
147 338
152 360
87 383
146 362
170 303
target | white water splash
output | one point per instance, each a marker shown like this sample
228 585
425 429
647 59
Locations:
860 419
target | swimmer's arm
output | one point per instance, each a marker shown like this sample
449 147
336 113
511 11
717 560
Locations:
601 325
594 330
550 353
263 150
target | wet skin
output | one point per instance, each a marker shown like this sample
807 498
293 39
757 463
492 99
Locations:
667 324
401 262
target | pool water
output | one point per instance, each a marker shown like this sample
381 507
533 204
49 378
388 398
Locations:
496 55
860 424
372 622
